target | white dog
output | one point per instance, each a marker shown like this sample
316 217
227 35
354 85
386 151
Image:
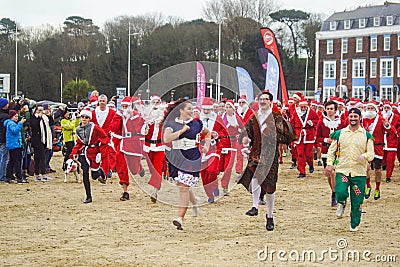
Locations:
72 166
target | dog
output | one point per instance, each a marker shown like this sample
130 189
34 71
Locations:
72 166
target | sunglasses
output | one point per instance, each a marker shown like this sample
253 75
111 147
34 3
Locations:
263 99
85 117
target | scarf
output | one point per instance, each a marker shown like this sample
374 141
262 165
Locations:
45 132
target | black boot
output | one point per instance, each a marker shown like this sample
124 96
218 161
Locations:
252 212
88 200
270 224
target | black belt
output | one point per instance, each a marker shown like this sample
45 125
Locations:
228 136
153 141
90 145
128 134
379 144
325 144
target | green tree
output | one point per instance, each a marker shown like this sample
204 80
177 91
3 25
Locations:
76 90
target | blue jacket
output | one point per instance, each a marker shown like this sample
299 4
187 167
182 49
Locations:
13 134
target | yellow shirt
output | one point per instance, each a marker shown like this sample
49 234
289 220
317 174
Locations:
352 145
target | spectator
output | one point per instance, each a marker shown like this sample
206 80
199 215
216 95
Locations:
49 152
68 126
14 147
3 151
40 141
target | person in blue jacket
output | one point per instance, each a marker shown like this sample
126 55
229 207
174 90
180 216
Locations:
14 147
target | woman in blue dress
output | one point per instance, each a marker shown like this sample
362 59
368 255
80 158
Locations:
183 132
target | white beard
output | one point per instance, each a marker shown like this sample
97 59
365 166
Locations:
232 120
204 116
386 114
127 112
242 109
370 114
139 108
155 115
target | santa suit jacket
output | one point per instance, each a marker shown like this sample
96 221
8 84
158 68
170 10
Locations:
106 126
92 150
229 142
377 129
325 127
246 115
303 129
391 139
216 126
127 133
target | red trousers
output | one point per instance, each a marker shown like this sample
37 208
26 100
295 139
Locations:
122 169
209 175
112 157
388 160
155 161
293 151
304 154
133 163
226 165
239 159
105 160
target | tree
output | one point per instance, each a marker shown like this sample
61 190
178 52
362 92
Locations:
291 18
76 90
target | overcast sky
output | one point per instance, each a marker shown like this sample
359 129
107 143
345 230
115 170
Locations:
37 12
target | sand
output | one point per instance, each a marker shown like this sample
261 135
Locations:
46 224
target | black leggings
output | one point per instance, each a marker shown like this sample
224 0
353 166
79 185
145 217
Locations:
14 164
69 146
40 160
85 171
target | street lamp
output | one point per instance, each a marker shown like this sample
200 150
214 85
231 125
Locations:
219 61
129 57
210 86
148 79
16 60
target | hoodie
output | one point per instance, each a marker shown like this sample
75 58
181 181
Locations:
13 134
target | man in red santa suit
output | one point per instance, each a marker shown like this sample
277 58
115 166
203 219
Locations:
292 110
329 123
229 143
91 145
103 116
153 144
391 140
304 122
210 161
125 133
377 126
245 113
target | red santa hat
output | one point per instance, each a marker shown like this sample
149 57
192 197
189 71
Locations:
341 101
135 100
126 100
291 101
303 101
155 97
374 104
387 104
320 105
196 109
314 103
244 98
394 106
111 104
359 104
207 103
334 99
230 103
298 95
86 112
352 101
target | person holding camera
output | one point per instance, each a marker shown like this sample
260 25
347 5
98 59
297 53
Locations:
68 127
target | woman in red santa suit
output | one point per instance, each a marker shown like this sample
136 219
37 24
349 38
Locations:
377 126
103 116
329 123
390 140
153 144
91 145
229 143
210 161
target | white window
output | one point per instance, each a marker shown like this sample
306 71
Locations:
329 69
398 42
333 25
386 67
374 43
328 92
344 70
359 43
329 47
358 92
386 92
361 23
373 69
398 68
359 68
347 24
389 20
386 43
377 21
344 45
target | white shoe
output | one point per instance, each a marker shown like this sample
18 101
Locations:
46 179
178 223
37 179
355 229
340 210
195 208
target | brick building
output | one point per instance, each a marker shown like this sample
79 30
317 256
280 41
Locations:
358 53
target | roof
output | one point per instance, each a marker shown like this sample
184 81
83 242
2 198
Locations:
382 11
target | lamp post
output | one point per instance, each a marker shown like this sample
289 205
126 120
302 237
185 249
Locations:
211 86
129 57
219 62
148 79
16 60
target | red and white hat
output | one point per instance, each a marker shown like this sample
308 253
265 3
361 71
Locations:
135 99
341 101
230 103
374 104
196 109
207 103
352 101
244 98
298 95
291 101
387 104
111 104
126 100
86 112
155 97
314 103
303 101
